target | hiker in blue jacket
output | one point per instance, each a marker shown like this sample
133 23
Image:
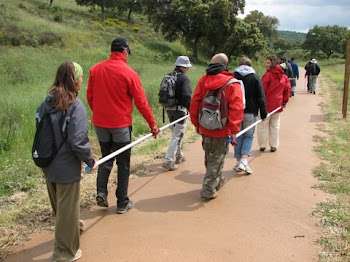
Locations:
295 68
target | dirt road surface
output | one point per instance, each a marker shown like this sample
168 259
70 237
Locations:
262 217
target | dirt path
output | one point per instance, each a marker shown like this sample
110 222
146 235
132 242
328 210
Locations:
263 217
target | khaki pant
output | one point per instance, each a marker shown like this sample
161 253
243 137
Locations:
215 152
268 131
65 204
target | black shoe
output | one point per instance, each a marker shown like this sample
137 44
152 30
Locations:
292 93
273 149
314 93
262 149
122 210
101 200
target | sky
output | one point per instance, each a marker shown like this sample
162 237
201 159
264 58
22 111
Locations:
302 15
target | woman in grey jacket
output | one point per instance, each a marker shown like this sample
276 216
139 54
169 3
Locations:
64 172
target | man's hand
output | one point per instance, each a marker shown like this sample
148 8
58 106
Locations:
94 167
232 139
155 131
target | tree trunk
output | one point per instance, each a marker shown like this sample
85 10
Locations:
51 2
129 14
103 15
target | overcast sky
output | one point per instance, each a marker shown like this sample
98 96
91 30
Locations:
302 15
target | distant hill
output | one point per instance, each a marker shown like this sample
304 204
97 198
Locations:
291 37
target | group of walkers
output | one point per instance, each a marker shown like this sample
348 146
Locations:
113 87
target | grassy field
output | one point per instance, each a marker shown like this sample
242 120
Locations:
333 147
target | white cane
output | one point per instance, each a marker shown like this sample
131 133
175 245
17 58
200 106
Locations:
121 150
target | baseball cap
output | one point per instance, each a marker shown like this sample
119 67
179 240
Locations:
183 61
119 44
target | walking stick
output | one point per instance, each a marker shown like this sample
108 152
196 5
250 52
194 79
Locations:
121 150
252 125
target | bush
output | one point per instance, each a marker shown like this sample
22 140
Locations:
58 18
99 26
49 38
135 28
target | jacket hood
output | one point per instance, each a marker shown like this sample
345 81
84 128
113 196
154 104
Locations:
276 71
216 81
48 104
214 69
244 70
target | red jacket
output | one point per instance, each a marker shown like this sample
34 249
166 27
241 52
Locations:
277 88
112 87
234 98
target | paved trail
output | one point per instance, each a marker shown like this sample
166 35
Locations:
263 217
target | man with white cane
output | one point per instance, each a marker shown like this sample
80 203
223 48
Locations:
112 88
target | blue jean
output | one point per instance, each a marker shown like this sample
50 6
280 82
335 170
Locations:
245 141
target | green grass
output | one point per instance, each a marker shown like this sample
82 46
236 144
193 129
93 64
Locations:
333 147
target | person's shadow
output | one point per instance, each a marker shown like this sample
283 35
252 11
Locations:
185 202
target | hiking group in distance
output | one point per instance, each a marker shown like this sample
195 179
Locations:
223 103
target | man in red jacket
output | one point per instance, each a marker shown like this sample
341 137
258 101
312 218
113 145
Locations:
215 142
112 88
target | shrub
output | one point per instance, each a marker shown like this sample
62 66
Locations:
49 38
44 6
135 28
98 26
22 6
58 17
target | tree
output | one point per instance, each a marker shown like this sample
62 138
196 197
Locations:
267 24
193 21
246 39
327 39
101 3
130 5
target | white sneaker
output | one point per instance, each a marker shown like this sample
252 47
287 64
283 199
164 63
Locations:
248 170
236 166
240 167
77 255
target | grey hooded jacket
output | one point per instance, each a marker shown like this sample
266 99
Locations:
66 166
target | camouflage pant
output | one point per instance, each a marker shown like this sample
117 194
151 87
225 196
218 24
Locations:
215 152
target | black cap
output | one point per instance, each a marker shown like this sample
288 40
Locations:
119 44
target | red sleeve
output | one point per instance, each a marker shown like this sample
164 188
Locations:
140 99
236 110
266 81
196 102
89 92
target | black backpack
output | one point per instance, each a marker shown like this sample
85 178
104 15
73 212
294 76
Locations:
167 90
313 69
44 147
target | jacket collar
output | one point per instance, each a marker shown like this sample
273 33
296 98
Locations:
117 56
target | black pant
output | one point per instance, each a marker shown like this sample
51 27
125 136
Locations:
104 170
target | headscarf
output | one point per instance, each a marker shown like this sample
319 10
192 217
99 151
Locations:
78 70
